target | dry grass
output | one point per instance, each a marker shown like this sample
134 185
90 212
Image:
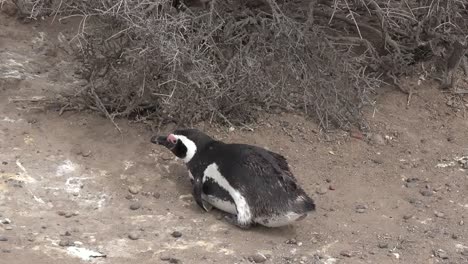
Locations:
227 63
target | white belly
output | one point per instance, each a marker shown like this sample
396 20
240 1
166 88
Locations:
222 205
280 220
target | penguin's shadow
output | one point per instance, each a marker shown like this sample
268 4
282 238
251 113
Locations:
179 175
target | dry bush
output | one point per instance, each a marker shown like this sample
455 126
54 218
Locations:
227 63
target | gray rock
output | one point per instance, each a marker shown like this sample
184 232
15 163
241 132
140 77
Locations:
66 243
176 234
170 259
135 206
134 189
322 190
383 245
133 236
360 208
407 217
465 252
426 192
346 253
3 238
439 214
257 258
441 254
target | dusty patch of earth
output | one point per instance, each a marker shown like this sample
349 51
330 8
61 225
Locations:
74 190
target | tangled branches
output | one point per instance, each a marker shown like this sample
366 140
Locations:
225 62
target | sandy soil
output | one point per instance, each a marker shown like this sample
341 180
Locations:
67 181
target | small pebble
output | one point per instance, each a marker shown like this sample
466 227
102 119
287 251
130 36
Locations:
407 217
156 195
3 238
176 234
257 258
70 214
135 206
383 245
6 251
322 190
170 259
8 228
454 236
6 221
66 243
291 241
441 254
439 214
361 208
346 253
61 213
134 189
426 193
465 252
133 236
378 161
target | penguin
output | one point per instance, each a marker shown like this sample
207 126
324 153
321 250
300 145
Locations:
251 184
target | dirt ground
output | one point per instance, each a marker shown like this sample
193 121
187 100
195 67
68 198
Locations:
74 190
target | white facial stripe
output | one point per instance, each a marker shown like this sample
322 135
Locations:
243 210
190 145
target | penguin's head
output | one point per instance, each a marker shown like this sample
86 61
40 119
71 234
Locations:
184 143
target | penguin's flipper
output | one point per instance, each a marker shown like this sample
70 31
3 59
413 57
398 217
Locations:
197 193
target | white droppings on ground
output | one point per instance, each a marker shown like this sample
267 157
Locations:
128 164
460 247
445 165
8 120
83 253
74 184
329 260
425 221
23 175
66 167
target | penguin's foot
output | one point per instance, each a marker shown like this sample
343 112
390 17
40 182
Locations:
207 206
232 219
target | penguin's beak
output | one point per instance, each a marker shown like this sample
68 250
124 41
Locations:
163 140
